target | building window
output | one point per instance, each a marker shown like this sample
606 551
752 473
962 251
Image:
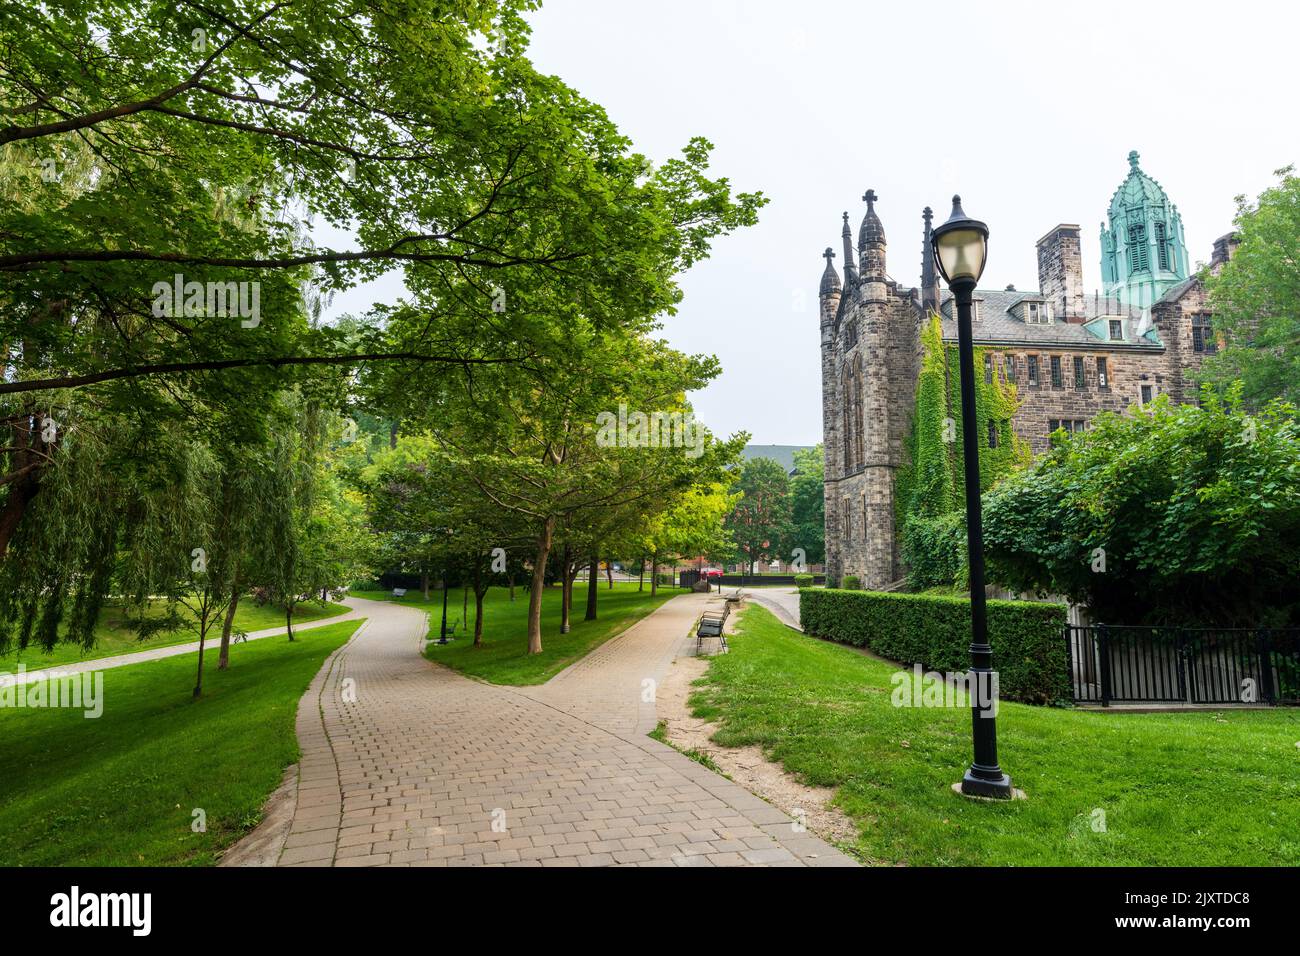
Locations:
1103 377
1203 335
1070 426
1146 394
1116 330
864 517
993 434
1031 313
850 335
1032 367
1162 247
1078 372
988 369
1056 371
1010 366
1138 257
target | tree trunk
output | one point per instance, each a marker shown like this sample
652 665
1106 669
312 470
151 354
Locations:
21 490
198 679
640 575
479 591
464 606
654 575
539 585
593 588
288 618
392 435
424 584
566 589
510 579
223 660
609 572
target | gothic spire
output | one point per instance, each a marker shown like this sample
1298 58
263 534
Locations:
872 231
830 278
929 278
850 270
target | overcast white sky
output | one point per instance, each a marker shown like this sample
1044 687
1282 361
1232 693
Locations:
1027 109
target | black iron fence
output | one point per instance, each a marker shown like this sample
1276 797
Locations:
1152 665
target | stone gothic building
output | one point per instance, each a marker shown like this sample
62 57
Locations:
1070 354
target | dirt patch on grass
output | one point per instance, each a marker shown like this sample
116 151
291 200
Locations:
747 766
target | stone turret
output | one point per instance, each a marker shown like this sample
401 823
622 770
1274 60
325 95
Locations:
930 295
871 247
850 270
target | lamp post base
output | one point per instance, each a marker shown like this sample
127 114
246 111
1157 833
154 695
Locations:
996 789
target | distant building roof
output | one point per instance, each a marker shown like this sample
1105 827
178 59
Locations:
995 324
781 454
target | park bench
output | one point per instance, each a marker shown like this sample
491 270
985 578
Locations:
399 592
711 625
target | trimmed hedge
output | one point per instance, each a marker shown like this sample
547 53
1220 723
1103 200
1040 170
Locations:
850 582
933 630
803 580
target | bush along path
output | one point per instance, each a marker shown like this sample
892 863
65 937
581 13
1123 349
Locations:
405 762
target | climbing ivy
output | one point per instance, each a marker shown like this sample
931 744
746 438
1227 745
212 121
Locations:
931 482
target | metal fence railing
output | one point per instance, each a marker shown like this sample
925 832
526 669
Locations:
1127 664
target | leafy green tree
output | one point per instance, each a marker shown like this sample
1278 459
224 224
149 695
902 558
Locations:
1171 515
759 522
1256 299
808 504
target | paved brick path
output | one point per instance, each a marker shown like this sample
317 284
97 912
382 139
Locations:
408 763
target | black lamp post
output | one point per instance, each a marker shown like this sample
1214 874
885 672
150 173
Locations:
960 250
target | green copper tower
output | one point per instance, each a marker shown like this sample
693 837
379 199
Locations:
1142 251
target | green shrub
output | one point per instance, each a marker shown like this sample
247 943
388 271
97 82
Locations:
850 582
1029 647
803 580
934 550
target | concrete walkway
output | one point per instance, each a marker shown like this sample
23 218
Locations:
783 602
156 653
405 762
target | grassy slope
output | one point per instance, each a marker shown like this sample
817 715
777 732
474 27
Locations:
502 659
112 636
120 789
1188 789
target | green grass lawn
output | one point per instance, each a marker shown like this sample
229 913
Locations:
120 790
113 637
503 657
1186 789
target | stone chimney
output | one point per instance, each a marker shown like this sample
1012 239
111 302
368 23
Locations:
1060 272
1224 248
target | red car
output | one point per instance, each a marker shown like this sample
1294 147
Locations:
711 573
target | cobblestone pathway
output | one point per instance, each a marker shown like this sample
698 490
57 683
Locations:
408 763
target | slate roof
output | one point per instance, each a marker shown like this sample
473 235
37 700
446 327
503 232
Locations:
782 454
995 325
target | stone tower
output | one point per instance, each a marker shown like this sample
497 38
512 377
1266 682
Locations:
870 346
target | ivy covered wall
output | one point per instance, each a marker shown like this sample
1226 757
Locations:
931 484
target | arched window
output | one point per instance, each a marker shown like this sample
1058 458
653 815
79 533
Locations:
859 436
846 411
1162 246
1138 256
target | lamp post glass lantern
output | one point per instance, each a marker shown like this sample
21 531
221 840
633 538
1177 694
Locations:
960 251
